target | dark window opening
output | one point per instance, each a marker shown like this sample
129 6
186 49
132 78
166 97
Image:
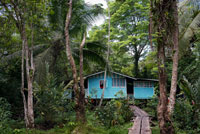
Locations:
86 83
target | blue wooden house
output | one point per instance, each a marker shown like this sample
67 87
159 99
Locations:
118 86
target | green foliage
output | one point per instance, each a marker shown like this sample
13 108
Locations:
149 65
5 116
152 106
115 112
120 94
189 18
190 106
131 35
52 105
189 64
155 130
186 117
4 110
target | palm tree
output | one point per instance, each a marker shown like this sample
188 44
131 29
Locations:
83 16
192 93
50 52
189 23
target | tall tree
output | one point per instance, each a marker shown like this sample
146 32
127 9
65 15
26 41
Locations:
131 19
26 15
79 94
175 57
107 57
166 22
71 59
82 90
17 11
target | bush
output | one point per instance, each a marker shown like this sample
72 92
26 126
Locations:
151 108
115 112
52 105
186 117
5 115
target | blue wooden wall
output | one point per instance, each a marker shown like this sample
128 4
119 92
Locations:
94 90
143 92
142 89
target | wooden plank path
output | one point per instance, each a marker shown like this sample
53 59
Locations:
141 122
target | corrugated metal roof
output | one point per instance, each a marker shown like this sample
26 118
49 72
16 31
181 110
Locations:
122 75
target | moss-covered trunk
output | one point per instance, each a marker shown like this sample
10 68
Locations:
165 22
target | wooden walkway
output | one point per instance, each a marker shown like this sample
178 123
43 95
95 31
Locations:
141 122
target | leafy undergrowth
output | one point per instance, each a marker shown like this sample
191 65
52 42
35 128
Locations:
93 126
155 130
79 129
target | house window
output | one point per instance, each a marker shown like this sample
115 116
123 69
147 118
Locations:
118 82
143 84
101 84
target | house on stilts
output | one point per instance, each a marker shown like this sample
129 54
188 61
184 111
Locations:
118 86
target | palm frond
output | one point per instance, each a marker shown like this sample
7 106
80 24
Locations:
96 46
189 23
40 64
90 56
192 92
36 49
94 57
49 56
187 35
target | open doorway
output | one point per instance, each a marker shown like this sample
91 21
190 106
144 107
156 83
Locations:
129 85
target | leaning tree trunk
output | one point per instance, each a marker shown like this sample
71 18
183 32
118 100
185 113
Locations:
175 53
71 60
82 90
108 51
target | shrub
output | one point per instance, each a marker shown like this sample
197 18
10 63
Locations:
114 112
52 105
186 117
151 107
5 115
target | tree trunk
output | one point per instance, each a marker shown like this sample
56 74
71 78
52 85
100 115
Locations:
162 106
71 60
104 86
29 75
82 90
22 86
108 51
28 103
136 67
163 40
20 24
151 26
172 97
